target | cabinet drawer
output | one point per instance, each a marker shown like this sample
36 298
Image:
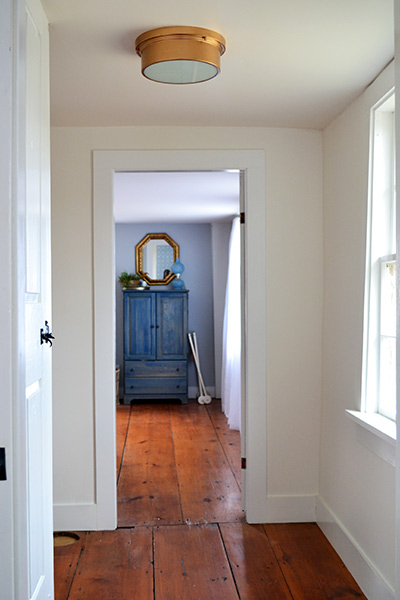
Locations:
159 368
158 385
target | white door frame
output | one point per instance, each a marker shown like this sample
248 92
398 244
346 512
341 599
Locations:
10 397
252 163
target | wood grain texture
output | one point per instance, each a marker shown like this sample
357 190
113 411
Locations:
123 413
115 565
229 438
190 564
254 566
66 560
148 490
208 490
309 564
229 561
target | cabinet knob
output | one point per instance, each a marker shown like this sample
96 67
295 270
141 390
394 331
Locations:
151 326
178 386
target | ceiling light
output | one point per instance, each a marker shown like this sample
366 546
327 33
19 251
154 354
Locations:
180 54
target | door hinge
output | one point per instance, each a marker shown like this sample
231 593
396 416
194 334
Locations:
243 463
241 218
3 474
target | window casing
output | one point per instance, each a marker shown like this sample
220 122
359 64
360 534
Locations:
379 355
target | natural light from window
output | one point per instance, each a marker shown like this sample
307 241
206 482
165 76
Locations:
379 356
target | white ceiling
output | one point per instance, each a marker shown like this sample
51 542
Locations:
176 197
288 63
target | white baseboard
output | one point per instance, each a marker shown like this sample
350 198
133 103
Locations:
75 517
193 392
364 572
291 509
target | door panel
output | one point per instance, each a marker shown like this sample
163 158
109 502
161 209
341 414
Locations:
140 324
171 324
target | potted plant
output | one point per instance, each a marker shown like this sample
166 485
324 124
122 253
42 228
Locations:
129 280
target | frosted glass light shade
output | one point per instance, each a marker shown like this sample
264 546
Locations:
180 71
180 55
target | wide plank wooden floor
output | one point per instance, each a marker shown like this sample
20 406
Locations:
181 531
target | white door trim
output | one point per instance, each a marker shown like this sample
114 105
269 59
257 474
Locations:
8 351
252 163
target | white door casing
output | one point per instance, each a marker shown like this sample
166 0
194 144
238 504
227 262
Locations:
252 164
7 352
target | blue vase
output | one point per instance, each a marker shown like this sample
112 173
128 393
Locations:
178 268
178 284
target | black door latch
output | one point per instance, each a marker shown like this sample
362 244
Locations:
45 335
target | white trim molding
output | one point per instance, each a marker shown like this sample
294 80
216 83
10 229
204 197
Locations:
368 577
376 433
291 509
252 164
75 517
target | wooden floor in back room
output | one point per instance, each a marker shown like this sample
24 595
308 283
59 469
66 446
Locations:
181 530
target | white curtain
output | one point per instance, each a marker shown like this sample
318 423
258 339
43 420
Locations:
231 343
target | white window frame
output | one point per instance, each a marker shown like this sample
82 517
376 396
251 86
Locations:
375 430
381 244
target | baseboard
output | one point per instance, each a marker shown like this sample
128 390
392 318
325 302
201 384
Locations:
364 572
291 509
75 517
193 392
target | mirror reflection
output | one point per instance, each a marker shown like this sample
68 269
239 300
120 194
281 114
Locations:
155 254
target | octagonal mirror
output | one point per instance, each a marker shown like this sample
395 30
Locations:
155 254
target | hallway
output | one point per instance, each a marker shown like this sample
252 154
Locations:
181 532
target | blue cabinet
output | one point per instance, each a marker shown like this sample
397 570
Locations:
155 344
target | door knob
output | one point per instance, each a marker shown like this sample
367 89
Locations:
46 336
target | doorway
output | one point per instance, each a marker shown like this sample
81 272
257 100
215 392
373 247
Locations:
195 210
251 163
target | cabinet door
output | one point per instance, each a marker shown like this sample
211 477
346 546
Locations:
171 326
139 324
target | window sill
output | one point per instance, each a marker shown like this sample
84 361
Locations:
376 433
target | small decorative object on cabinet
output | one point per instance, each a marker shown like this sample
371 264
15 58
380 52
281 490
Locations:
155 345
178 268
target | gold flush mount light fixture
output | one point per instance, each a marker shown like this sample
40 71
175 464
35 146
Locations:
180 55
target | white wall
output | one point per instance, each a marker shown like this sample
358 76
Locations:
357 488
294 301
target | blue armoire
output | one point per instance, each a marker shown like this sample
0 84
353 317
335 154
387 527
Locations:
155 345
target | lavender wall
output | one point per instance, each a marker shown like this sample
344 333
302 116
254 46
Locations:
196 254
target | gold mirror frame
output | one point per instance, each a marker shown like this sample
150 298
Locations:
139 257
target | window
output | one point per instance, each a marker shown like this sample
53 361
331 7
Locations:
379 357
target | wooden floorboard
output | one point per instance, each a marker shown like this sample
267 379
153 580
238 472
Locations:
208 489
190 563
229 438
148 490
309 564
180 465
66 560
123 413
255 568
115 565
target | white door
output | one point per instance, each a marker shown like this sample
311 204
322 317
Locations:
37 535
37 309
26 570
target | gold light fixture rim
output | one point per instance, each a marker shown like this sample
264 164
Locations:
180 32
